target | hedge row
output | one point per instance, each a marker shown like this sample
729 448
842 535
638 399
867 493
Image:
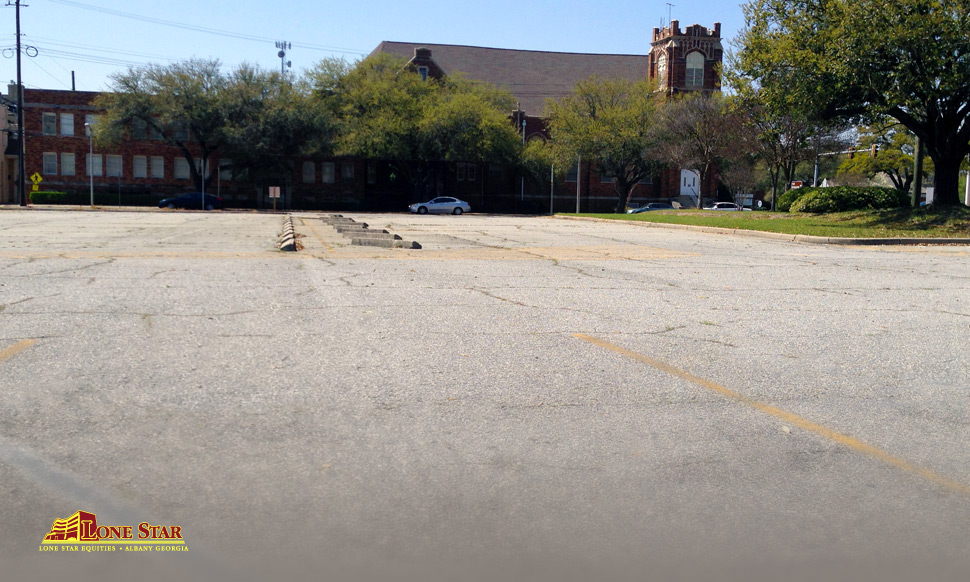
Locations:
841 199
79 198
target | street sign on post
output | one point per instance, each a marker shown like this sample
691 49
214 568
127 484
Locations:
274 193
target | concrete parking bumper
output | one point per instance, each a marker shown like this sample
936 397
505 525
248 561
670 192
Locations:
361 234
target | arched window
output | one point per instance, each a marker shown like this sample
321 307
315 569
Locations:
695 70
662 69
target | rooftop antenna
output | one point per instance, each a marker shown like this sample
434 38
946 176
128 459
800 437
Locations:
284 64
669 15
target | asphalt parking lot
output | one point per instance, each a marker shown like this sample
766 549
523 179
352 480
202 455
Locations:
522 398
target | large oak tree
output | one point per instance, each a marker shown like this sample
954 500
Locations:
386 111
908 59
260 119
180 104
613 124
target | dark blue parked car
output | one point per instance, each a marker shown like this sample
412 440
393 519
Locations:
192 200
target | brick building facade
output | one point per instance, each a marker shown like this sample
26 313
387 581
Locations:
60 150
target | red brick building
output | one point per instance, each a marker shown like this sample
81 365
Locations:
59 148
144 168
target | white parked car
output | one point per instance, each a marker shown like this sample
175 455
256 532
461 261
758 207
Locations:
441 205
725 206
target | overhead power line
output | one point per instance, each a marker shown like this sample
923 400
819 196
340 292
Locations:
203 29
47 42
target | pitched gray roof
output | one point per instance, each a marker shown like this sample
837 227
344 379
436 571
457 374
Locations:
532 76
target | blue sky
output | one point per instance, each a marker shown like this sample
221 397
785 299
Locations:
96 38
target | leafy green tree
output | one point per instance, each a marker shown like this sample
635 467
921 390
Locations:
784 135
613 124
378 106
703 132
468 122
861 59
271 122
258 118
385 111
181 104
894 156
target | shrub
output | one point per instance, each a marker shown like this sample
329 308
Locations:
45 197
83 198
790 197
846 198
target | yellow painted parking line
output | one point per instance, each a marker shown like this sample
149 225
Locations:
825 432
15 349
316 234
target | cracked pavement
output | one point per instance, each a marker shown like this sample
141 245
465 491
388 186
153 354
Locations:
354 412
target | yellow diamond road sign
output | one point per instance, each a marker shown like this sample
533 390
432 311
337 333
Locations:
36 178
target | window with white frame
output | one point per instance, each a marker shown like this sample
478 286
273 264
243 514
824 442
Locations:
154 133
50 163
50 124
114 166
695 70
67 164
67 124
346 172
158 167
460 171
94 165
309 172
472 172
139 167
327 169
182 169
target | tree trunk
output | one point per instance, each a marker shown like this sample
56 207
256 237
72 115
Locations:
622 190
946 184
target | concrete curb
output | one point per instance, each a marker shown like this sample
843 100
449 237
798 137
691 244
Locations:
797 238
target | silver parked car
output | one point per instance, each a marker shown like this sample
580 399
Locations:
441 205
725 206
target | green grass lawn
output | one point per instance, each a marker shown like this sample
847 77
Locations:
905 223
